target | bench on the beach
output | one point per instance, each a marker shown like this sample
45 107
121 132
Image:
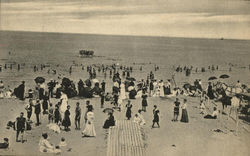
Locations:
125 139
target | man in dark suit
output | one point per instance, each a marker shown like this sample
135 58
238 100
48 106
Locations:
20 126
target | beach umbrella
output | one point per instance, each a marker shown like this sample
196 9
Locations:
87 82
212 78
66 82
224 76
108 110
39 79
131 79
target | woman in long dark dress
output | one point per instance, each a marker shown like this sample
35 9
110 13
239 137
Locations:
144 102
110 121
45 102
57 115
128 112
66 121
184 115
210 93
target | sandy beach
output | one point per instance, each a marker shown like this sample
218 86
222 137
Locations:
60 51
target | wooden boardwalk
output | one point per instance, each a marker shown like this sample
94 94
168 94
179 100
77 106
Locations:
125 139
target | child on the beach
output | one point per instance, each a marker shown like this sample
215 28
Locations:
51 113
136 119
62 142
202 107
57 115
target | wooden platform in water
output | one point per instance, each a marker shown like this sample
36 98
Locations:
125 139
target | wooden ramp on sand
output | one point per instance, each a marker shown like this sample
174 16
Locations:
125 139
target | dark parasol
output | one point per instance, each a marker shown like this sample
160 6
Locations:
108 110
224 76
39 79
130 78
212 78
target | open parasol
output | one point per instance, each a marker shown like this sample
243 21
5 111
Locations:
131 79
39 79
212 78
224 76
108 110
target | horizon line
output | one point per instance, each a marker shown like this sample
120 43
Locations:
123 35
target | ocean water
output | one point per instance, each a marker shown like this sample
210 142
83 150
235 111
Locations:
54 49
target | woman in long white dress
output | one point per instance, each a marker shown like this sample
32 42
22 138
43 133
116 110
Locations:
64 103
122 93
89 130
161 85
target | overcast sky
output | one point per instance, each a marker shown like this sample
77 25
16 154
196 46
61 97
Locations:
178 18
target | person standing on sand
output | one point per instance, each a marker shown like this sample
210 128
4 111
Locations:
78 113
210 93
51 113
151 88
45 103
51 86
88 107
102 99
161 87
184 115
21 90
64 103
29 109
128 111
176 110
57 115
89 130
20 127
37 112
66 121
156 119
103 85
144 101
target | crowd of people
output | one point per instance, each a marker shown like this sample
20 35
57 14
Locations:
124 88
